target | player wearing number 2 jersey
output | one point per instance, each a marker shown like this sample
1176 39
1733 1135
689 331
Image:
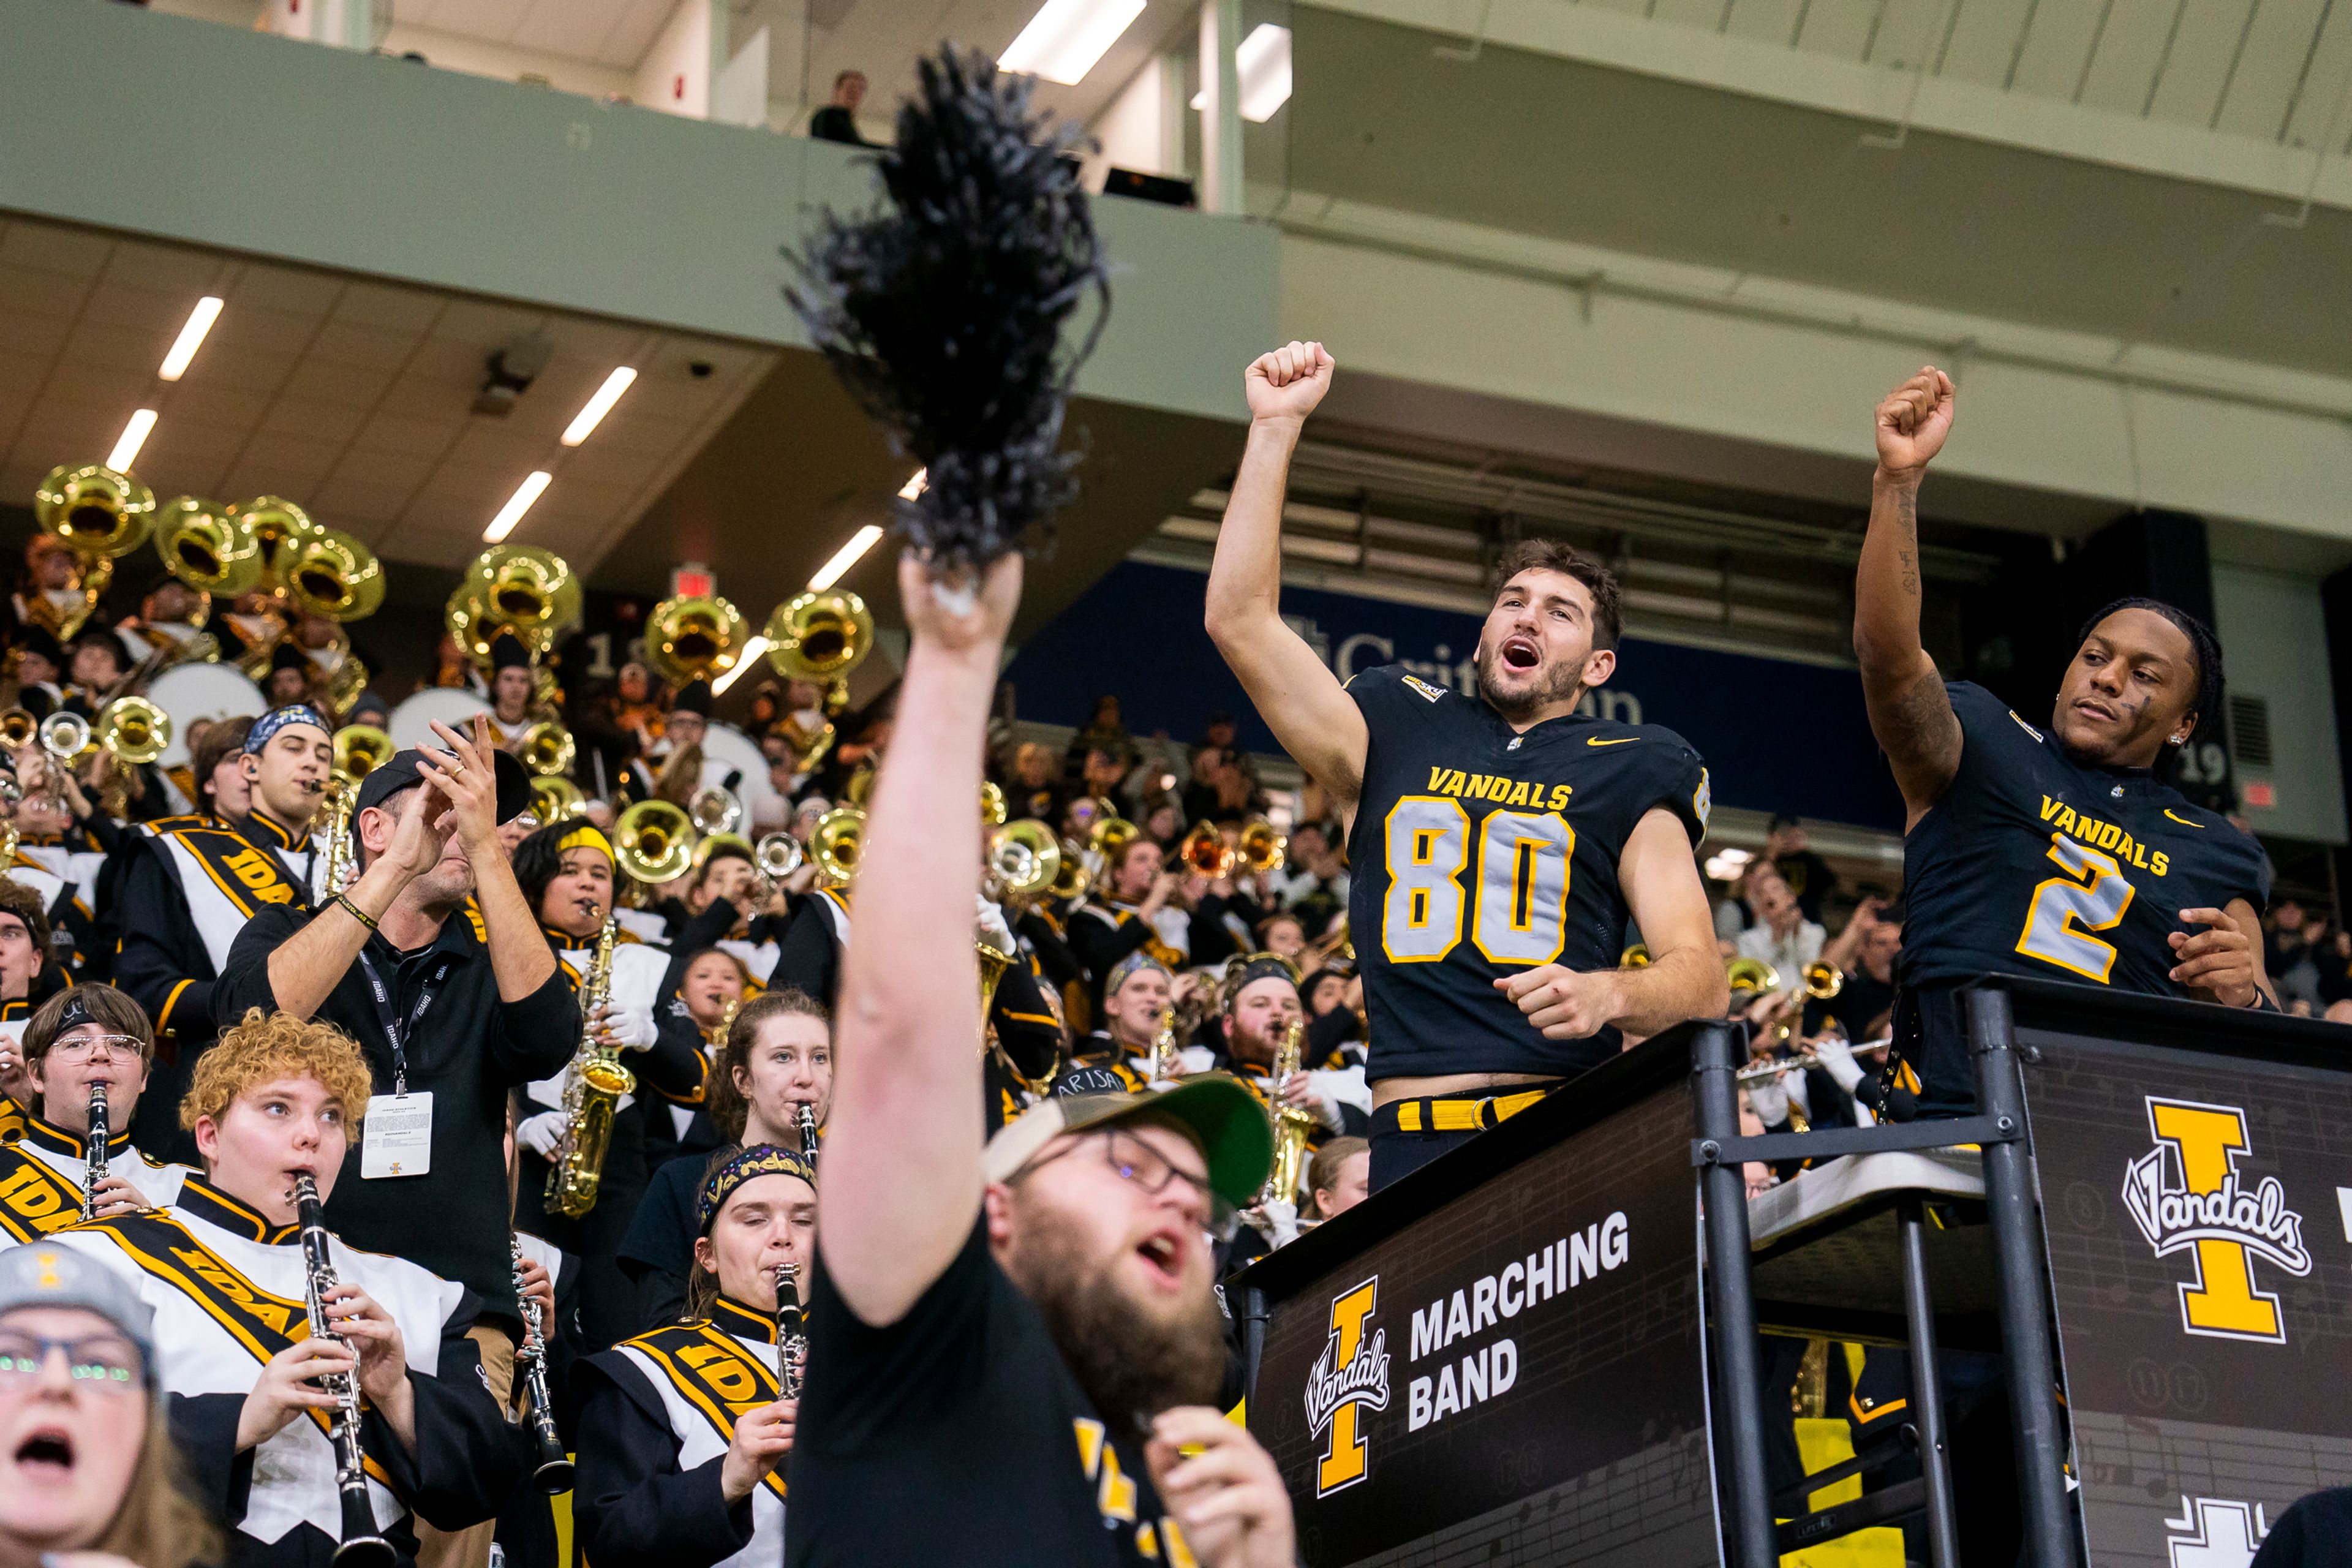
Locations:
1499 841
2043 849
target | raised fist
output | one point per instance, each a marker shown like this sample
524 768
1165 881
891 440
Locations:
1913 421
1288 382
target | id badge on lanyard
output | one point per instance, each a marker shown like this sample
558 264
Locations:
397 1138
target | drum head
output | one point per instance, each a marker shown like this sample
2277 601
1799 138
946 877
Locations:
411 724
190 692
732 750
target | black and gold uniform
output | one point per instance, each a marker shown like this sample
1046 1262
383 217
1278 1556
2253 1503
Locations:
1479 851
43 1177
2032 863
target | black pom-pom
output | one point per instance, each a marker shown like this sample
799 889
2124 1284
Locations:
942 313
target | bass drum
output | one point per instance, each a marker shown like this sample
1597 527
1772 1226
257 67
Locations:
411 724
727 749
192 693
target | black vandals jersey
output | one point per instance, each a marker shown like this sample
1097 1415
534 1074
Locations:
2033 865
1479 852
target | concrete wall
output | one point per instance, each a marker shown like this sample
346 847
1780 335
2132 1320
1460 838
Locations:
2274 643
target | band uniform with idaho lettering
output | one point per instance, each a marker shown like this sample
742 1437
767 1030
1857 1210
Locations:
2032 863
1479 851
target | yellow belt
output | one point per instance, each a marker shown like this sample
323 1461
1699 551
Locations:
1463 1115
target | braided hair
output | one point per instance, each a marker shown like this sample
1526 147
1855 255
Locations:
2204 650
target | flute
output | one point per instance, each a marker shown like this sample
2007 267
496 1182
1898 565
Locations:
363 1545
93 1151
553 1473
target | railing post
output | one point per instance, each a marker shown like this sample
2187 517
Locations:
1715 1053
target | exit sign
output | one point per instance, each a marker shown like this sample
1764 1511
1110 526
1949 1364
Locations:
2259 792
692 581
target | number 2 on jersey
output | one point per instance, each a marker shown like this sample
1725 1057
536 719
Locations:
1522 882
2065 909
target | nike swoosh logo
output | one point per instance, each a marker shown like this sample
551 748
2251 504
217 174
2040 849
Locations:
1621 741
2182 820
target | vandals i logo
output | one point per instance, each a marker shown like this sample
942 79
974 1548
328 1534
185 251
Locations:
1350 1377
2185 1194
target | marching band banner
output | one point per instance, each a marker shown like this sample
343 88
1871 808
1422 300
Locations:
2199 1217
1517 1374
1777 734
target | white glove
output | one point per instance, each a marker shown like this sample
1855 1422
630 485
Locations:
1770 1096
992 921
542 1134
633 1027
1281 1226
1837 1060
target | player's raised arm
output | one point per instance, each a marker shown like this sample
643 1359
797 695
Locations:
902 1149
1910 711
1301 701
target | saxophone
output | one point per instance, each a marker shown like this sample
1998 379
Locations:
1291 1123
591 1093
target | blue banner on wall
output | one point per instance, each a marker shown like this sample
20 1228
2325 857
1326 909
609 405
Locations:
1777 735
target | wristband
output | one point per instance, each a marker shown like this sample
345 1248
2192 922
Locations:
352 910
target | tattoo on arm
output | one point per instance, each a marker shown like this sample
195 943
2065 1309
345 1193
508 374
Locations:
1907 509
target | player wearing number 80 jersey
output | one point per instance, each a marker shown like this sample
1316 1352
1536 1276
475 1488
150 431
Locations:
2043 850
1499 842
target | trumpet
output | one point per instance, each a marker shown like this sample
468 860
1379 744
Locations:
1751 975
359 750
653 842
840 832
777 856
363 1545
93 1152
714 811
1263 847
553 1473
1072 882
1111 833
1204 849
64 737
134 731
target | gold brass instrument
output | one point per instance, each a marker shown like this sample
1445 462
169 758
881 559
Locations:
840 834
1111 833
818 636
1262 849
336 576
280 530
133 731
362 1545
1292 1124
359 750
992 809
1751 975
208 546
653 842
1177 1021
693 639
715 811
547 749
1634 957
1822 981
1074 881
591 1093
18 728
335 831
555 798
94 510
517 589
860 785
1204 849
1024 860
809 743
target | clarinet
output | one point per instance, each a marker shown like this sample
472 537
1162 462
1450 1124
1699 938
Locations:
363 1545
808 1133
93 1152
792 1340
555 1472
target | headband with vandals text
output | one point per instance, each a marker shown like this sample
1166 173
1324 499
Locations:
760 1160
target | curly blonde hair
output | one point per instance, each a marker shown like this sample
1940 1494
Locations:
262 1048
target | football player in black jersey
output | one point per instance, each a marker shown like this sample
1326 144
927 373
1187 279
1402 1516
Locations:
1499 840
2047 849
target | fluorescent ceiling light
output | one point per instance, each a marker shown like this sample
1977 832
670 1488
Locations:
753 651
517 504
915 487
598 406
1066 37
849 556
1262 64
134 436
191 338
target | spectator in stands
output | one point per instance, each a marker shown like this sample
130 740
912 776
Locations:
1782 936
1865 953
1737 913
2289 934
1314 879
837 121
1790 852
1031 790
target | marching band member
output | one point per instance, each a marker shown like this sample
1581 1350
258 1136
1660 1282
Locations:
39 662
1261 1005
451 1016
54 859
512 678
1136 891
26 978
52 572
686 1432
224 1271
97 666
1476 1014
1002 1303
566 873
777 1060
288 684
88 1473
166 619
1136 994
90 1034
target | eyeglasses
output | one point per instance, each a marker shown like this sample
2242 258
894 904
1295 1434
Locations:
1148 1168
82 1047
99 1362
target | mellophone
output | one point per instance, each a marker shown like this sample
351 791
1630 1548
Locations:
1528 1349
